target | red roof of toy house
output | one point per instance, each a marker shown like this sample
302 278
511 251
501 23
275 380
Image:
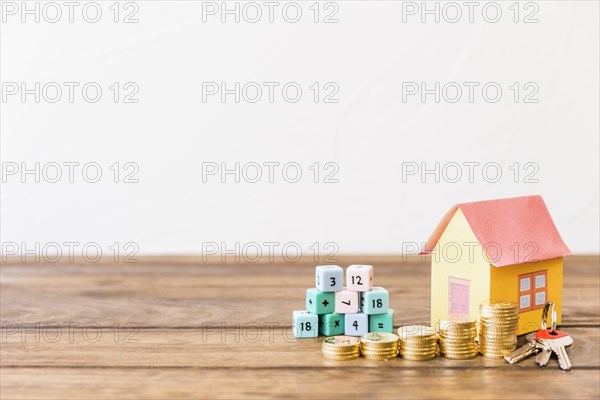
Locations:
505 225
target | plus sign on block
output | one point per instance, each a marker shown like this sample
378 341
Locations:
318 302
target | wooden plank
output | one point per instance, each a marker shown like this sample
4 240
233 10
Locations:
317 383
160 295
171 357
248 347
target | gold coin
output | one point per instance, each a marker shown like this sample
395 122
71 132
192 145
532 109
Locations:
457 344
459 321
378 337
498 313
497 344
502 304
418 352
498 350
489 338
418 345
421 340
497 340
379 350
380 353
341 341
501 324
457 339
381 347
457 349
418 358
460 357
457 332
342 352
413 331
462 350
495 356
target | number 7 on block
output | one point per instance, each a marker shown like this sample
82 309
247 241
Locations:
346 302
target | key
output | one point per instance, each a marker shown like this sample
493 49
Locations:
530 348
557 341
543 357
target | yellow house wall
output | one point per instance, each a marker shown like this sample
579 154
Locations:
471 265
504 285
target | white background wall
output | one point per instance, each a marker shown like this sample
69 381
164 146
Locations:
369 54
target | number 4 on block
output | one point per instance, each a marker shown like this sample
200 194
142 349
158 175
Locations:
356 324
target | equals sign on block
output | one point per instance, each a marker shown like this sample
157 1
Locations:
380 325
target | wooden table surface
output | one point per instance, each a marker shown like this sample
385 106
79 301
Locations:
181 328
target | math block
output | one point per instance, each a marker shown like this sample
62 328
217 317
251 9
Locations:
319 302
375 301
356 324
346 302
382 322
359 278
305 324
329 278
331 324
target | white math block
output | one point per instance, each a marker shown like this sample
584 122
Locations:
329 278
347 302
359 278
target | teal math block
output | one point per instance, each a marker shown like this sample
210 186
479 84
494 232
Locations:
382 322
305 325
375 301
319 302
331 324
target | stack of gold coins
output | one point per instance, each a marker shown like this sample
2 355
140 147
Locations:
457 336
379 346
341 348
417 342
498 327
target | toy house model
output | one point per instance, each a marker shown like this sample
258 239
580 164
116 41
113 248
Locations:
499 249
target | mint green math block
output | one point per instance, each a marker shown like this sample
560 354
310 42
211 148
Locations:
331 324
319 302
382 322
305 324
375 301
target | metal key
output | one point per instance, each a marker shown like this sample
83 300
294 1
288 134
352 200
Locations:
531 347
543 357
557 341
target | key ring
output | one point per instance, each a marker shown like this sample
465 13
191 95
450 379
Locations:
545 316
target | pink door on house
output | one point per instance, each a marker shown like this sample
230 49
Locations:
458 296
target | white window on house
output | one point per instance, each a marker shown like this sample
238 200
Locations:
525 284
540 298
540 281
525 301
533 290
